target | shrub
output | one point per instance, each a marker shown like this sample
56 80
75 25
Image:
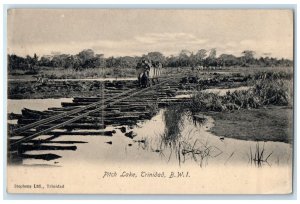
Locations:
264 92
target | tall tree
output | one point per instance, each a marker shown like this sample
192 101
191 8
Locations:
156 57
45 61
227 60
184 57
248 57
200 56
85 55
211 59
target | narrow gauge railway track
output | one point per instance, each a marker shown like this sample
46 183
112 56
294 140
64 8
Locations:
76 114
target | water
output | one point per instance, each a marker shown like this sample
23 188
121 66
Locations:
184 96
16 106
222 151
228 151
223 92
218 91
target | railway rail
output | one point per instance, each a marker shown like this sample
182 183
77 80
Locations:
73 115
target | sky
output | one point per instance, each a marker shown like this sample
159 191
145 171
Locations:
130 32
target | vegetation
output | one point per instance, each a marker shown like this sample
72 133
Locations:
264 92
272 123
263 112
183 147
258 157
88 59
173 118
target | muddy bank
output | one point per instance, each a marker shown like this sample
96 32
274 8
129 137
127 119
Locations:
64 89
273 123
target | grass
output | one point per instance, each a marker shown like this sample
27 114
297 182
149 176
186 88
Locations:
183 147
65 73
198 151
186 149
261 113
258 157
264 92
257 69
69 73
288 75
88 73
153 106
173 118
273 123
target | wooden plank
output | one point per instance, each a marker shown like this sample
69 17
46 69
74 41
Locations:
24 121
24 148
53 118
73 126
76 133
66 123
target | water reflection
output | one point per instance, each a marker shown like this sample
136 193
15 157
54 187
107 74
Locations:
194 143
173 136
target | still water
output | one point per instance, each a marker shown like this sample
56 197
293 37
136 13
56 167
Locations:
196 144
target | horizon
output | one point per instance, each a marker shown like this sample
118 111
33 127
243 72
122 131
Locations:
105 56
134 32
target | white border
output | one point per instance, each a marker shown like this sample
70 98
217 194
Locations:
147 3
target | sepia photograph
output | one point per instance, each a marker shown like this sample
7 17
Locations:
150 101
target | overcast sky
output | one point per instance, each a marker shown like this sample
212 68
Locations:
136 32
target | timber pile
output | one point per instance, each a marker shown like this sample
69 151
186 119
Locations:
125 112
129 111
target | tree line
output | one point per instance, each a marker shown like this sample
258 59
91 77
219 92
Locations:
88 59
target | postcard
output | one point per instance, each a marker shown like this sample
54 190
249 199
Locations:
150 101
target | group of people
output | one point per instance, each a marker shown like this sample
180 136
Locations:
147 71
